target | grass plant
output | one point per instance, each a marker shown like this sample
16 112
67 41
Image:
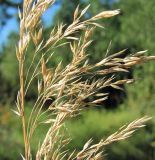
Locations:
70 88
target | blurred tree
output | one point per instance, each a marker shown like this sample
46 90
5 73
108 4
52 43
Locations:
137 33
8 63
8 71
5 6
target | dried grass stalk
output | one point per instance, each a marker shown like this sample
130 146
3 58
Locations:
66 84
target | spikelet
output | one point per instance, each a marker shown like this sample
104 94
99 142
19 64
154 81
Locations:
105 14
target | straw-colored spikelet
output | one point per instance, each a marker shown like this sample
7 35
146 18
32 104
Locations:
106 14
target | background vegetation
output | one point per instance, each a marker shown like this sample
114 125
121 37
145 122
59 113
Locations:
132 30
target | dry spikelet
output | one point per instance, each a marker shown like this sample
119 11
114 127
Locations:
43 67
105 14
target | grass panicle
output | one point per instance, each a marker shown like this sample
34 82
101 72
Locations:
68 87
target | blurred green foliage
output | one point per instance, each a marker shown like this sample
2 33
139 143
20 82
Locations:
11 138
132 29
98 124
95 124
